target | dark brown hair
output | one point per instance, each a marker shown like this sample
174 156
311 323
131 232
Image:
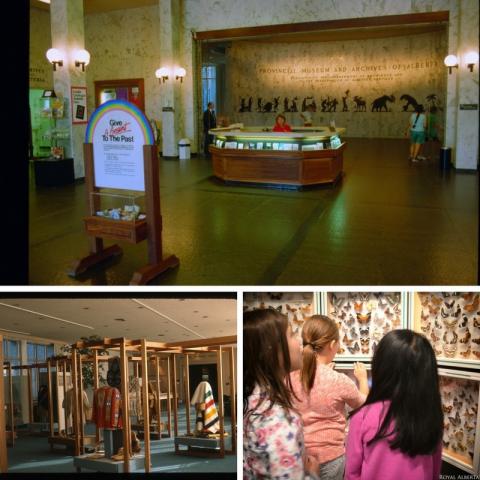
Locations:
266 359
280 116
318 331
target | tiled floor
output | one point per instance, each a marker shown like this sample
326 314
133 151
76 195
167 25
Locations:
387 222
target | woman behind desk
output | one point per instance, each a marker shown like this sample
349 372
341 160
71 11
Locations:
281 124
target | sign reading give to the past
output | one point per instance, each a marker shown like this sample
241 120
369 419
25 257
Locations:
118 131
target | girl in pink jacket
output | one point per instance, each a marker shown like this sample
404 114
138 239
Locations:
397 433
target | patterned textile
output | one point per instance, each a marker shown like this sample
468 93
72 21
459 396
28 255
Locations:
207 415
107 405
67 404
135 397
272 441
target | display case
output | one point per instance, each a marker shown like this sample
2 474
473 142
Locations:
298 306
363 319
304 156
451 322
117 215
461 434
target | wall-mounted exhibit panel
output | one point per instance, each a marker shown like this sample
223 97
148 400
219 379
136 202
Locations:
461 434
307 156
364 318
451 322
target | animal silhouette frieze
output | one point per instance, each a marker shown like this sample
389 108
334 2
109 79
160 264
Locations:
360 104
244 106
380 103
344 101
410 101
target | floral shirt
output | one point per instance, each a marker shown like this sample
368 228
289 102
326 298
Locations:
272 441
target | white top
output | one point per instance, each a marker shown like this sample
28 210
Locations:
307 116
420 123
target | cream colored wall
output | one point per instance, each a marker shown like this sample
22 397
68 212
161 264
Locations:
41 73
125 44
330 71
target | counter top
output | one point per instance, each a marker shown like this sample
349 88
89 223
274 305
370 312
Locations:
297 133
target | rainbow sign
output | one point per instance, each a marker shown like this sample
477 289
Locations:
122 106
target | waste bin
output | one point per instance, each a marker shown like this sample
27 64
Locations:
184 149
445 158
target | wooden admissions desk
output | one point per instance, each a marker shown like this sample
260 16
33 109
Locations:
305 156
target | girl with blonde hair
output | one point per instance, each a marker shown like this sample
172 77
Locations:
321 394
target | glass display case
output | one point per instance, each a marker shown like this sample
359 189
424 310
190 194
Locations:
363 319
117 215
298 306
461 440
451 322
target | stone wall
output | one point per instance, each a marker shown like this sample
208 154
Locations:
368 86
41 73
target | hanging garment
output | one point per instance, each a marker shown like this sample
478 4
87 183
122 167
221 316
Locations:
107 405
68 402
135 397
206 412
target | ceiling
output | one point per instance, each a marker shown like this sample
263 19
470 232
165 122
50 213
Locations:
156 319
99 6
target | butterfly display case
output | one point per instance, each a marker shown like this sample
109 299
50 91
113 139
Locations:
461 435
298 306
363 319
451 322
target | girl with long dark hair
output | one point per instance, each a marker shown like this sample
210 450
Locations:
322 394
272 430
398 431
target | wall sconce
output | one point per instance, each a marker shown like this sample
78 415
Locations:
162 74
471 58
82 58
180 73
451 61
55 57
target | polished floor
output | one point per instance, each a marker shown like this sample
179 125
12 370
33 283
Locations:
33 455
388 222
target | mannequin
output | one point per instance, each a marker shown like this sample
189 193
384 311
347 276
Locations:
207 421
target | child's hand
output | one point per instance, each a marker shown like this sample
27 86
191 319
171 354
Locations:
360 371
311 465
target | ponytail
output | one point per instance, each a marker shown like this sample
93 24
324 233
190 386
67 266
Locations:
317 333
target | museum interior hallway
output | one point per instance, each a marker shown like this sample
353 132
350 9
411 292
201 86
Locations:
388 222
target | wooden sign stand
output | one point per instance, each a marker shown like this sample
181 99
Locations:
149 229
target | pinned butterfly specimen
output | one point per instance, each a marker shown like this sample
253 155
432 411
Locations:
362 318
450 322
381 302
342 315
436 300
449 350
476 323
365 341
466 338
466 354
354 349
387 327
459 435
461 447
477 354
447 408
350 321
467 296
444 314
396 322
455 421
346 340
364 296
437 351
433 310
434 337
424 300
341 350
437 325
358 306
364 331
388 312
472 307
347 306
426 328
275 295
377 334
464 323
424 317
354 334
449 305
446 444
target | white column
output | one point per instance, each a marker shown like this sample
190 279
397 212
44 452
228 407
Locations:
68 35
467 120
170 90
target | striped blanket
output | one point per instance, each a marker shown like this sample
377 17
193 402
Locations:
206 411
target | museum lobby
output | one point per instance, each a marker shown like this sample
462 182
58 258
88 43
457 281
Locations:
381 219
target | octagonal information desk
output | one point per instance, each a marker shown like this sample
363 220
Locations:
305 156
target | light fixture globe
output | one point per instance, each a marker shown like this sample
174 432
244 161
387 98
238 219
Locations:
82 56
54 55
451 61
471 58
162 73
180 72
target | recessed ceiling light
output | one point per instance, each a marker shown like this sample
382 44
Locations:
105 325
195 311
161 335
119 319
40 318
205 316
227 320
140 307
195 326
181 299
86 308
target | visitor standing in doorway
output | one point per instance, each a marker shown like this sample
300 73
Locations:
209 122
417 125
432 137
